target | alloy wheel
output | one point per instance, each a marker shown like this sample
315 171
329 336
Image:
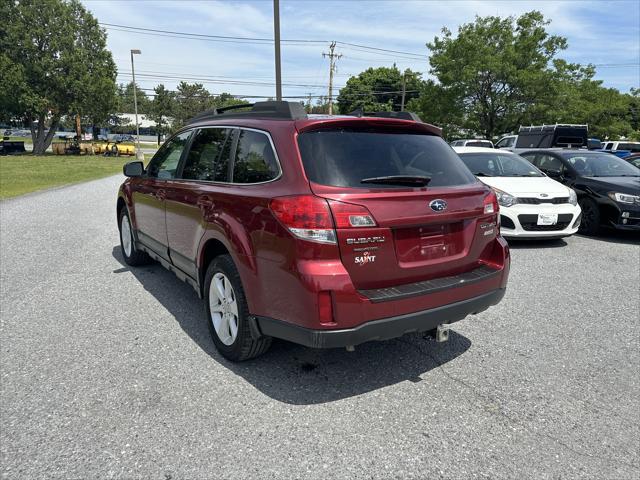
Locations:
125 235
224 308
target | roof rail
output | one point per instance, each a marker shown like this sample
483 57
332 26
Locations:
270 109
399 115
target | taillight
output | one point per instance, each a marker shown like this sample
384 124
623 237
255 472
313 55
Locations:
348 215
306 216
491 203
491 207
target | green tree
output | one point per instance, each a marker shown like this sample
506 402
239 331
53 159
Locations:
496 69
441 107
227 100
54 62
126 102
581 99
634 111
162 108
191 99
378 89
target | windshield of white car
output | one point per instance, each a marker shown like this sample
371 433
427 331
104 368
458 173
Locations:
499 164
601 165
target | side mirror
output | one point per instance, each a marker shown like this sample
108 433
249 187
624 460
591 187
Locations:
553 173
133 169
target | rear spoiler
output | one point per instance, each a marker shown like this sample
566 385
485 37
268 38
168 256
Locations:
399 115
387 120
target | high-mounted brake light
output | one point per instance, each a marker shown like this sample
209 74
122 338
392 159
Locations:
348 215
306 216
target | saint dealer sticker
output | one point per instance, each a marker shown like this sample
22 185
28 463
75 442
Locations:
365 258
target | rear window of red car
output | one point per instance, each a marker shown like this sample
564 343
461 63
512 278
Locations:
344 157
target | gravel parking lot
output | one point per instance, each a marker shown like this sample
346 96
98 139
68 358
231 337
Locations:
109 372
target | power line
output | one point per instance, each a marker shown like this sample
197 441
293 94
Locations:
253 40
206 36
213 95
122 67
267 41
214 80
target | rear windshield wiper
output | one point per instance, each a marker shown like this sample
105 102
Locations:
408 180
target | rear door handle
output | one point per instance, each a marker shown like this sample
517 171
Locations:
161 194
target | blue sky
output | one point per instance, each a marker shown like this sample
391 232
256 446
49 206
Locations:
598 32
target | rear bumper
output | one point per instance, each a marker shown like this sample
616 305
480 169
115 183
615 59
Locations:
382 329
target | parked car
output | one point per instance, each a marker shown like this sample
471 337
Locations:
532 205
633 159
508 141
472 142
327 231
621 149
123 137
608 188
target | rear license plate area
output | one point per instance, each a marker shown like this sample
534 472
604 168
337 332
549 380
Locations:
428 242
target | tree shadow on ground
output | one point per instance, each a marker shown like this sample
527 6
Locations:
298 375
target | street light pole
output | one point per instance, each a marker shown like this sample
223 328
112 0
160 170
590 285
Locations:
135 104
276 38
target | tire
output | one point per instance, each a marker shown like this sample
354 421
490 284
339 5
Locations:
229 322
590 223
132 256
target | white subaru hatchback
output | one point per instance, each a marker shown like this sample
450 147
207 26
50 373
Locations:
532 205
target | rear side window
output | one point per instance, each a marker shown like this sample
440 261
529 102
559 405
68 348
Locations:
208 157
345 157
255 160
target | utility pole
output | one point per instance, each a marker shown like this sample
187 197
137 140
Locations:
309 102
404 90
276 37
333 58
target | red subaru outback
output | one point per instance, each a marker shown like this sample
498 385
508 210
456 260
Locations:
327 231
